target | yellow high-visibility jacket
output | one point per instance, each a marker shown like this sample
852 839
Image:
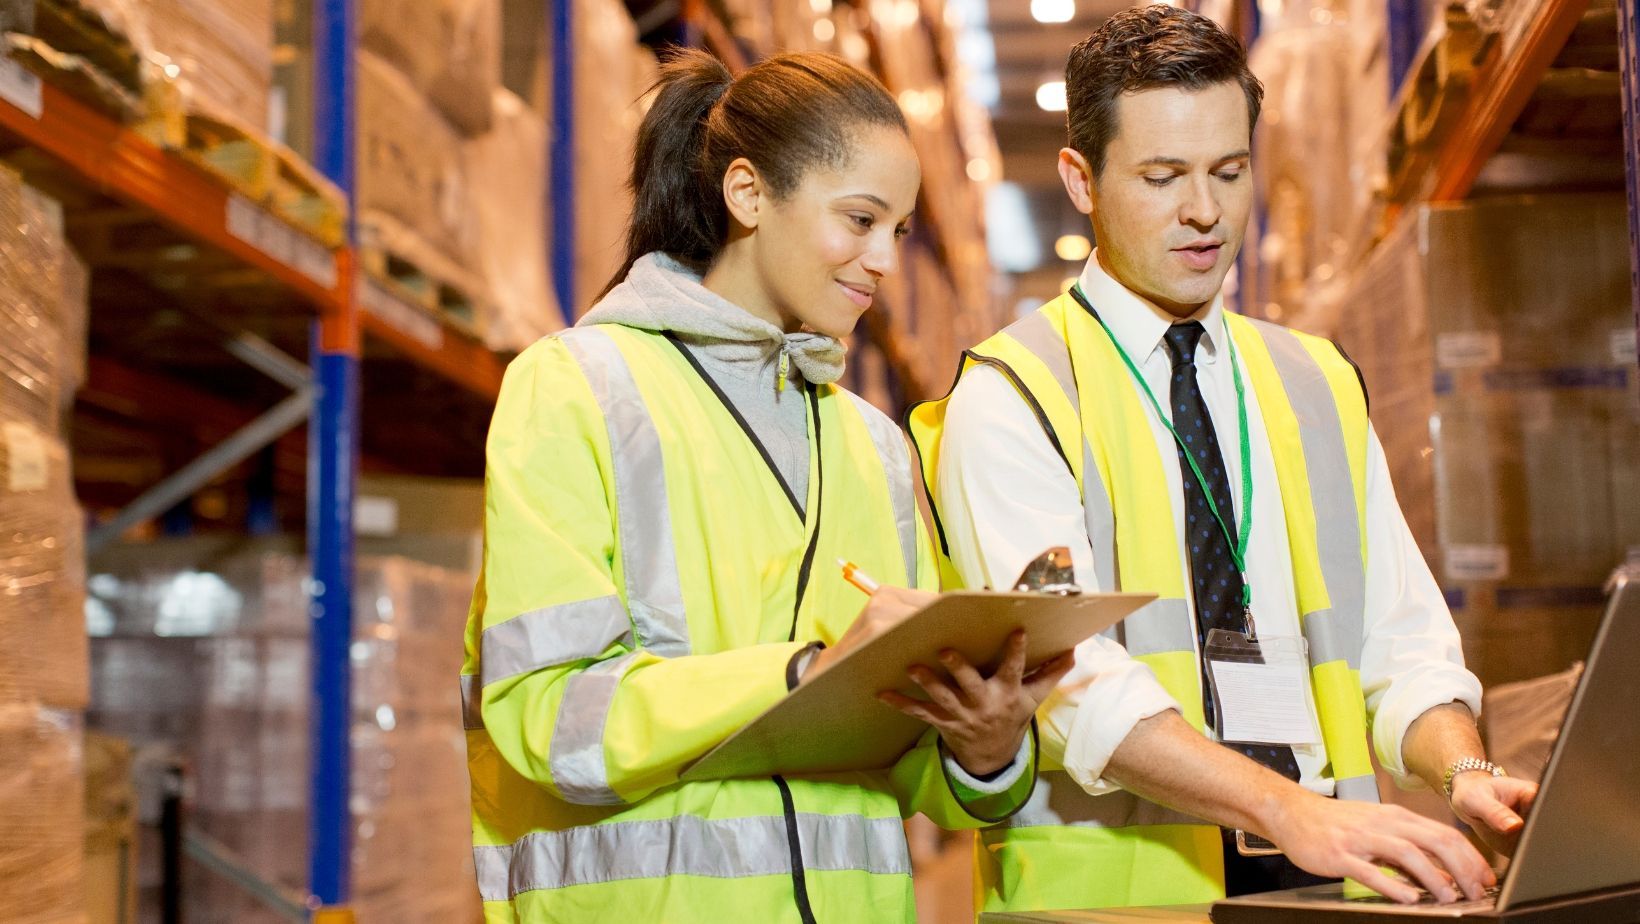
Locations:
646 581
1069 849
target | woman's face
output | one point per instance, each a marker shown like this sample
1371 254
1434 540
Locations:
819 253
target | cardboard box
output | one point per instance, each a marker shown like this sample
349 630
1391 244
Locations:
449 49
224 49
508 167
1507 325
411 164
42 839
612 73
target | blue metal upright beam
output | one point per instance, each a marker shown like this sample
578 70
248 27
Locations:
332 469
561 40
1628 40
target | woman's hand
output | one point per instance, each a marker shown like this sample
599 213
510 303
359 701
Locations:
887 608
982 720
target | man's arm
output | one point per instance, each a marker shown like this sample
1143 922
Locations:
1492 806
1166 761
1422 698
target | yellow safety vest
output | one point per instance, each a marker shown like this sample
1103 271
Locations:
647 578
1069 849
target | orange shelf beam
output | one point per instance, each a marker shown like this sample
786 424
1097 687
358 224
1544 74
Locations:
1503 94
119 162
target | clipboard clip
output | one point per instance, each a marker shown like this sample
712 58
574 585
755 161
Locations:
1050 573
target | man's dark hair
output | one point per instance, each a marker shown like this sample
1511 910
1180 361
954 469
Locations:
1146 48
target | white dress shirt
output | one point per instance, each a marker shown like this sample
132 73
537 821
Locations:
1005 495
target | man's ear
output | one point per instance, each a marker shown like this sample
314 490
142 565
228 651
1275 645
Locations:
1077 176
743 192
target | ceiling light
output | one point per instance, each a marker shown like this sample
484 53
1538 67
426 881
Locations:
1051 96
1073 247
822 7
979 169
824 31
1053 10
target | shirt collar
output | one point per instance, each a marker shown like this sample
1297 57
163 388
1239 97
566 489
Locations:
1137 324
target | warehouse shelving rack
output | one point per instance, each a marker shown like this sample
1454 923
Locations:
67 145
1506 88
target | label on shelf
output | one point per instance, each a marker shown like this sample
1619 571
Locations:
1623 346
375 516
20 88
1476 562
26 458
1468 349
256 227
406 319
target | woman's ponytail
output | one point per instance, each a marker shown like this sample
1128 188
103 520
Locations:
675 207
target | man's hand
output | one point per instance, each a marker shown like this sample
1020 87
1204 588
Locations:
982 720
1492 807
1336 837
885 610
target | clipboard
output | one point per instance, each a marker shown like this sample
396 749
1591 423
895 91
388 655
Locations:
835 721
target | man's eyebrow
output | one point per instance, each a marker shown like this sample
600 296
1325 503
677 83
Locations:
1178 162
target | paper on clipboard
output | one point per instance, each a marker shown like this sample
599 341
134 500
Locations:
835 721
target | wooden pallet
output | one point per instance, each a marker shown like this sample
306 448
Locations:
73 74
262 170
415 284
82 30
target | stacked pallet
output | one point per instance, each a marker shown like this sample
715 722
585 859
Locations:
209 664
43 678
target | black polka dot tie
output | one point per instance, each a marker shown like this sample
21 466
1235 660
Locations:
1215 581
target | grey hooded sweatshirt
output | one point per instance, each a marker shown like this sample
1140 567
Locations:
741 353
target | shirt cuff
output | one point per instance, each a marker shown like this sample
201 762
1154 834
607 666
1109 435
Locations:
994 783
799 663
1410 696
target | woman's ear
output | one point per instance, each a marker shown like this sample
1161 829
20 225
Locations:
743 192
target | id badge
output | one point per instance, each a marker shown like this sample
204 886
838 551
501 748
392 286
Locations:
1261 688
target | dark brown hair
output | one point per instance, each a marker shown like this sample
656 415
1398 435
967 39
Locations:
787 115
1145 48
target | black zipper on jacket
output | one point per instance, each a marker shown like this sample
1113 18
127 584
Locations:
819 493
734 412
800 886
800 882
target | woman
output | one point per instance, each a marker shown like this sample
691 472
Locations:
668 485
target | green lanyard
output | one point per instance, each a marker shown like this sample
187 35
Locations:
1238 543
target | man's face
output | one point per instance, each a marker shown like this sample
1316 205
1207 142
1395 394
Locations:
1170 208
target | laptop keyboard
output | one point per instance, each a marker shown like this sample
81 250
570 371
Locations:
1424 898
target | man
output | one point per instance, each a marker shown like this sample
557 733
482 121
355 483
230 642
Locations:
1176 448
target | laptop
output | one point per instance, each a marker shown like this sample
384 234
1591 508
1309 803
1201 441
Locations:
1578 858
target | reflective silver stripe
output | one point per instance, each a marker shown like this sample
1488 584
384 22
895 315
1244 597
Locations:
1332 492
891 450
1058 800
688 845
1036 333
576 753
1329 641
1160 626
1357 789
654 592
1101 521
472 703
552 636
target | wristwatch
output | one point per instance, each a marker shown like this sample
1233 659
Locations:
1466 764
